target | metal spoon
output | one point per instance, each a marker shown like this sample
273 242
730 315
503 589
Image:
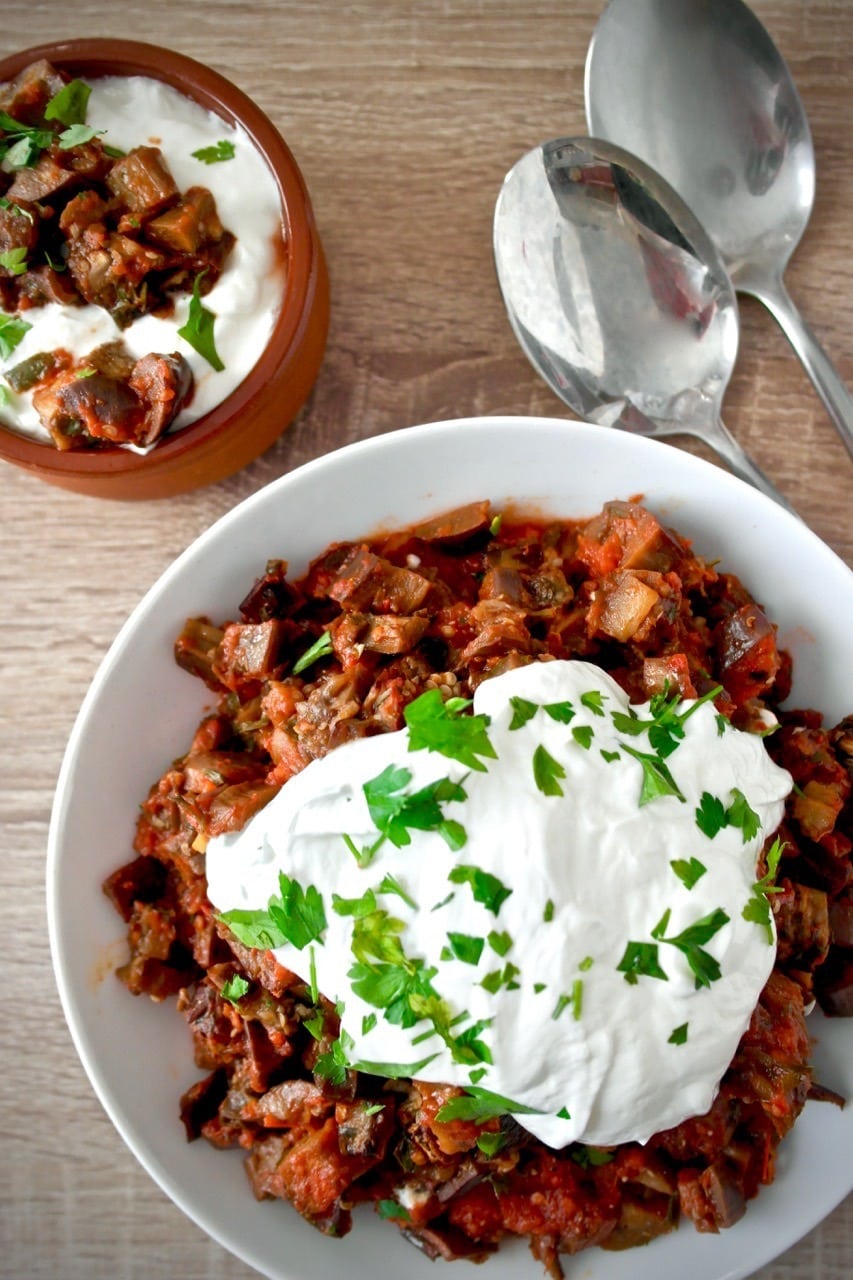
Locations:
698 90
617 296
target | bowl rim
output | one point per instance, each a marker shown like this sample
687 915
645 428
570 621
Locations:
345 465
101 56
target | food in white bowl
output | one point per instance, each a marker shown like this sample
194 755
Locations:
427 470
138 281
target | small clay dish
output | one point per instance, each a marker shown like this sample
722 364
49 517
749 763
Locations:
253 415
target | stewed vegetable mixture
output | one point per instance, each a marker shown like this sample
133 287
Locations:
338 654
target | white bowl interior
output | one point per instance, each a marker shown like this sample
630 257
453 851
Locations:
138 1056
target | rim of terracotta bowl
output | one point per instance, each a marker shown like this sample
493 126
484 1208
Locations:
103 56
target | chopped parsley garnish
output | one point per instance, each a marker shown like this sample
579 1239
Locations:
69 105
333 1065
590 1157
657 779
486 888
757 909
16 209
495 525
679 1035
723 723
479 1104
593 700
690 942
391 1209
312 975
539 987
75 136
14 260
583 735
436 725
564 1114
12 331
562 712
609 756
586 964
368 1022
546 771
499 942
505 977
198 329
465 947
315 1025
321 647
491 1143
390 884
297 917
522 711
362 906
640 960
563 1003
395 811
215 154
712 815
689 871
393 1070
374 1108
666 727
235 988
548 912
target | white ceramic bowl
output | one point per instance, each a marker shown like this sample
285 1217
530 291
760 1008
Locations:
138 1055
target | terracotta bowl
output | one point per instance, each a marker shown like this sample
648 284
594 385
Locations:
248 421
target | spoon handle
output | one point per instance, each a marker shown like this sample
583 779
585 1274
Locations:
724 444
817 364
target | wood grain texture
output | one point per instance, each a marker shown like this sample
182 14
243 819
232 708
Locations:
404 117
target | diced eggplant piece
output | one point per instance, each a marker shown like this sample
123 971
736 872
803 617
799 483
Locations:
188 225
670 674
142 880
456 526
97 407
43 284
196 647
110 271
26 97
628 602
24 376
251 649
143 182
500 629
802 923
232 808
45 178
202 1101
747 653
19 227
82 210
164 385
368 582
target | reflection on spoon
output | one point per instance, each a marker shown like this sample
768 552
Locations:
700 92
618 296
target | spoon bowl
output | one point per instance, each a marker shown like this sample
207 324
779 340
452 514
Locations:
700 92
618 296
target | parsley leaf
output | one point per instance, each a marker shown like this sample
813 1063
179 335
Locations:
593 700
690 942
711 815
368 1022
679 1035
198 329
75 136
485 887
390 884
657 779
14 260
688 872
479 1104
222 150
505 977
395 811
297 917
436 725
69 105
640 960
12 331
333 1064
590 1157
235 988
583 735
741 815
562 712
522 711
546 771
757 909
466 947
321 647
548 911
491 1143
391 1209
394 1070
499 942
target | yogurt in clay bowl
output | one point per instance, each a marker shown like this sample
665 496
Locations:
270 297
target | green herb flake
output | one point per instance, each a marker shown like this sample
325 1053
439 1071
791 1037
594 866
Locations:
711 815
15 209
640 960
495 525
690 942
479 1104
548 911
679 1035
12 331
499 942
593 700
394 1070
564 1114
740 815
374 1109
757 909
444 901
315 1025
522 712
235 988
334 1064
486 888
657 779
583 736
723 723
586 964
546 772
609 756
297 917
14 260
321 648
396 812
561 712
69 105
539 987
75 136
689 871
590 1157
491 1143
391 1209
198 329
215 154
436 725
465 947
312 975
390 884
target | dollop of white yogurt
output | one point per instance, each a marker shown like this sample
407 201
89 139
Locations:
134 111
595 856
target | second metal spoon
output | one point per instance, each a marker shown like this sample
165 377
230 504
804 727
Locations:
617 295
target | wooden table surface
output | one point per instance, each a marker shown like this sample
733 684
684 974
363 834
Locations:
404 117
